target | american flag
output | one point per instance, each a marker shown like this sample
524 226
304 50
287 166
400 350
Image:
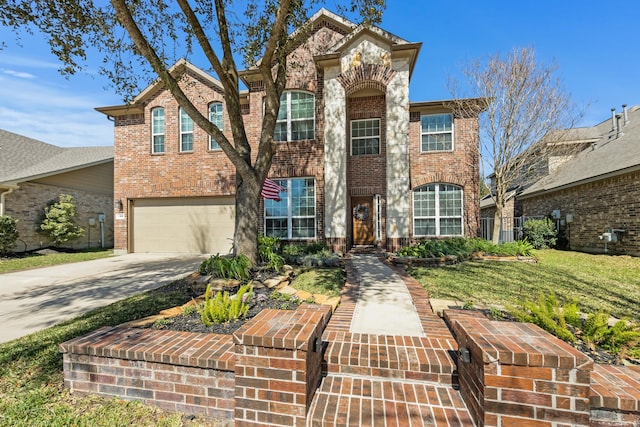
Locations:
271 190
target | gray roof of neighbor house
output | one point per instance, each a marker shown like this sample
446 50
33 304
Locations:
23 158
616 152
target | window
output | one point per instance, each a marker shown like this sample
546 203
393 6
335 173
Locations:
437 210
365 137
186 132
157 130
294 216
437 132
215 117
295 119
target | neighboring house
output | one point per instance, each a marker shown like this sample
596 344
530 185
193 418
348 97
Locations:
362 165
552 151
595 196
32 173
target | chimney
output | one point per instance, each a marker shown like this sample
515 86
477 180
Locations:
624 113
613 119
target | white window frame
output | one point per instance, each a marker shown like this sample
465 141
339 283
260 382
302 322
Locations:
357 138
155 134
213 145
289 120
182 114
437 217
438 132
378 207
287 184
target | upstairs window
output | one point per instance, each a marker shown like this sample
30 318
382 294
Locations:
186 132
365 137
296 117
157 130
437 132
215 117
437 210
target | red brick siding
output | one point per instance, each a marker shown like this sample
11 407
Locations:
459 167
596 207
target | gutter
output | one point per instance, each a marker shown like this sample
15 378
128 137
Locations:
3 194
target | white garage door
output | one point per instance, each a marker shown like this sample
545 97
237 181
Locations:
190 225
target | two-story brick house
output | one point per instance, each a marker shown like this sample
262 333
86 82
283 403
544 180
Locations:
361 164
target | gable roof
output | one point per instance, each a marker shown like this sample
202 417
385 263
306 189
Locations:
614 153
23 159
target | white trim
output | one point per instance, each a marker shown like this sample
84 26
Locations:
289 120
290 217
164 130
437 217
351 137
211 140
452 132
378 212
183 132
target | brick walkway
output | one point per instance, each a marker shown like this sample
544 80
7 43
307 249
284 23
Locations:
388 380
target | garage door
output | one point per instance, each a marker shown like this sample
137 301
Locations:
190 225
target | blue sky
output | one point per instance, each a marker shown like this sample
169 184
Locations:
594 44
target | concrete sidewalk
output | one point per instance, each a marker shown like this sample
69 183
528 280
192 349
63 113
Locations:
35 299
384 304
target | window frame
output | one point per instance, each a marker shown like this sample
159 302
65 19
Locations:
423 133
155 134
182 114
351 137
221 114
289 120
437 217
287 183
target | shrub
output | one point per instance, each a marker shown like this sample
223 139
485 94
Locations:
462 248
547 313
541 233
223 308
269 252
8 233
315 254
226 268
59 220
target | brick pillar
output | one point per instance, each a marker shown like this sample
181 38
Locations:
518 374
278 366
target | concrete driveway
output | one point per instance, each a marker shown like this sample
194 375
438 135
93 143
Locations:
36 299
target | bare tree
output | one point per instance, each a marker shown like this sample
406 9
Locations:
524 102
140 40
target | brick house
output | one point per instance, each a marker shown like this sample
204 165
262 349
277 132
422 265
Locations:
595 196
362 164
32 173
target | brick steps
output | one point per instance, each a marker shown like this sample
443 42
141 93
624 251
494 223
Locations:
394 357
365 401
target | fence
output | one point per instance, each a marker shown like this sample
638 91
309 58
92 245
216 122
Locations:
510 228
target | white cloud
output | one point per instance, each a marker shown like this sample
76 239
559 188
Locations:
19 74
23 61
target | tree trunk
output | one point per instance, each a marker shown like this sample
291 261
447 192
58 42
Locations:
497 225
245 237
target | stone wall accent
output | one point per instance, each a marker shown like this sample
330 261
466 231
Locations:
27 204
516 373
612 203
278 365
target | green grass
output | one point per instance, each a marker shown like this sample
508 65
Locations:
31 381
37 261
596 281
326 281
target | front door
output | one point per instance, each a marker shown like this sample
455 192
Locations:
362 220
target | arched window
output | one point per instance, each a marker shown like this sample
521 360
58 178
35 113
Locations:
157 130
186 131
215 117
437 210
296 117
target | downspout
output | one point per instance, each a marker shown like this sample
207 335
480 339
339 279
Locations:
2 196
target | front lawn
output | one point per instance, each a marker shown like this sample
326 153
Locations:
35 260
595 281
